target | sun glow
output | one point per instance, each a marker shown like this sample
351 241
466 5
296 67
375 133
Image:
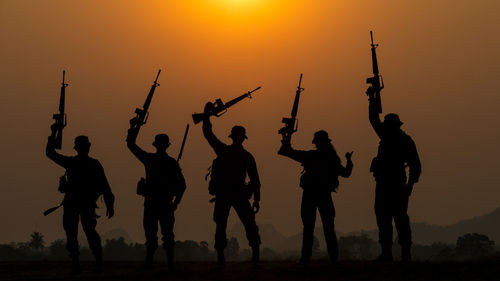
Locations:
240 3
239 6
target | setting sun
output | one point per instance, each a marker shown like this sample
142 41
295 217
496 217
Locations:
91 69
239 3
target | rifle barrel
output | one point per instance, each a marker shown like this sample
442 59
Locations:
183 143
238 99
151 92
157 75
258 88
295 106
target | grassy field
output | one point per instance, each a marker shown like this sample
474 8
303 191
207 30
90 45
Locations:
241 271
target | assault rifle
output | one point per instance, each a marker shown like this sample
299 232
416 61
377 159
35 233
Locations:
291 124
219 108
376 81
60 118
183 143
142 113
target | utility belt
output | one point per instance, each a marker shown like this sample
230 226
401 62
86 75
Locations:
228 191
379 166
144 189
309 181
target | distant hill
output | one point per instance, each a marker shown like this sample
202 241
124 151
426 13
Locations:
423 233
115 234
426 234
272 238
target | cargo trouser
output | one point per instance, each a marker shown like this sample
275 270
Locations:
71 217
162 213
391 201
324 204
246 214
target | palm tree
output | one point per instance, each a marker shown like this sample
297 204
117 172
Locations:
36 242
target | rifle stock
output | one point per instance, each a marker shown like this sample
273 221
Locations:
198 117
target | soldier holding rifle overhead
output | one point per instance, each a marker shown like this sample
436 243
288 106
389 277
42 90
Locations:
322 167
396 151
227 181
162 188
82 184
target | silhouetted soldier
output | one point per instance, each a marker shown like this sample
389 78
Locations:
162 190
229 172
86 181
322 167
396 151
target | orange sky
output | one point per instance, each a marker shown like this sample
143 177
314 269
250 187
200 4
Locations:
439 59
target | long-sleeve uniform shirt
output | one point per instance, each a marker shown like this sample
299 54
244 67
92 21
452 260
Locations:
321 168
86 179
396 151
234 163
164 179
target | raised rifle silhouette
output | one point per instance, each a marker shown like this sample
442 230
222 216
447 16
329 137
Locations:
376 81
142 113
183 143
219 108
292 124
60 118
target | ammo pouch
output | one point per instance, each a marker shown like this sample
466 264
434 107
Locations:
141 187
304 181
63 184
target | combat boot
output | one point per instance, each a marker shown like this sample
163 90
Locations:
386 255
256 254
406 254
75 266
98 262
148 263
221 259
169 250
304 261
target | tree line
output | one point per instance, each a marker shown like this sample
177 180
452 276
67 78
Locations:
471 246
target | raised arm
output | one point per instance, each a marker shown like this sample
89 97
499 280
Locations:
133 147
50 150
214 142
346 171
373 115
287 150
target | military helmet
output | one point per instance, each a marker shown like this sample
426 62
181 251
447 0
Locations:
161 139
321 136
82 141
238 131
392 119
